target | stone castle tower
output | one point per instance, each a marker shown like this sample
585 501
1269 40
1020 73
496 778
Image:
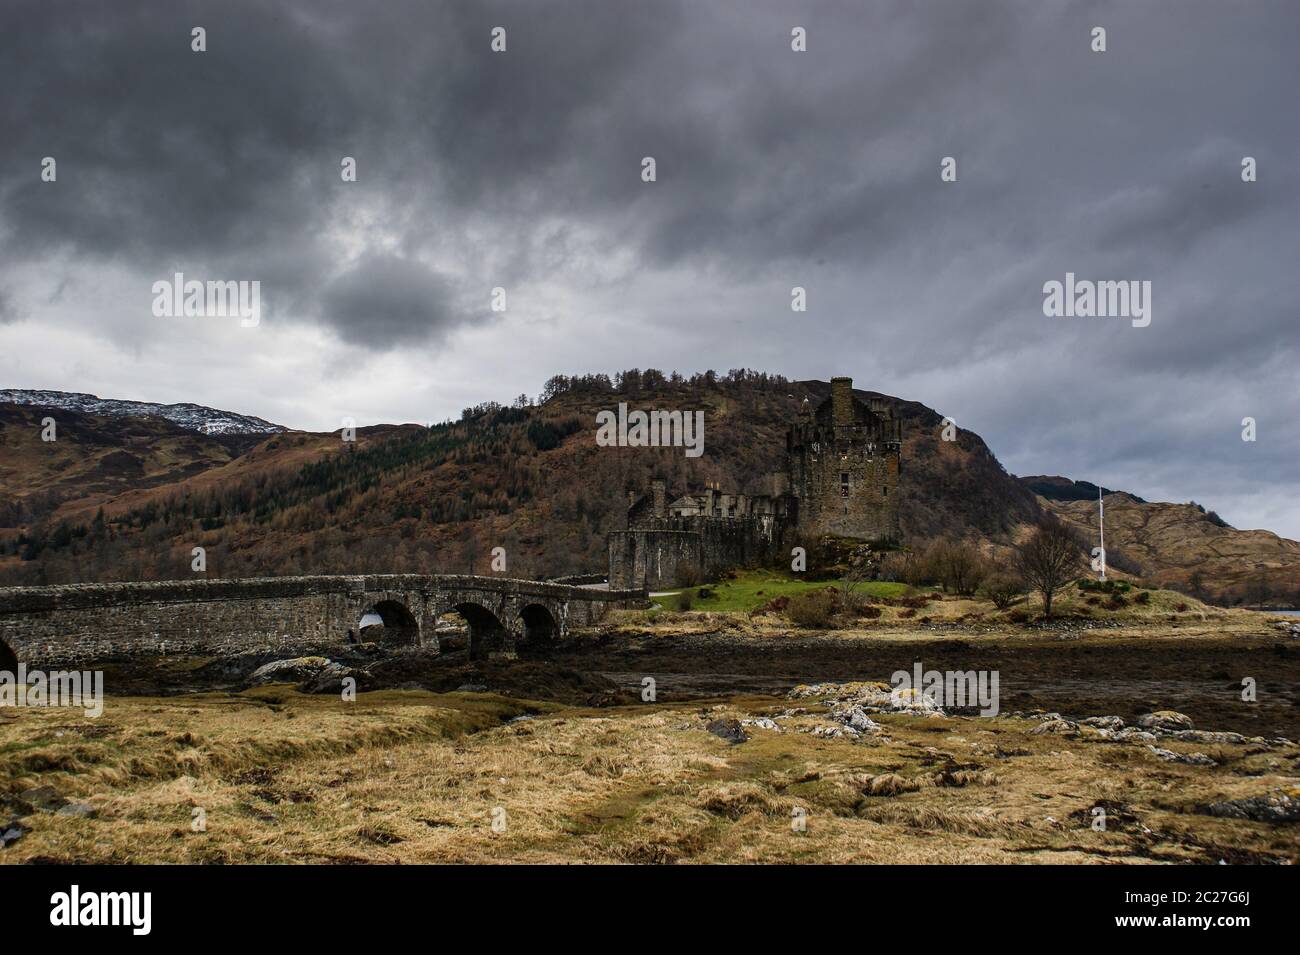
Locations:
843 462
841 480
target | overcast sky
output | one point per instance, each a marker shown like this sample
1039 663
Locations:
775 169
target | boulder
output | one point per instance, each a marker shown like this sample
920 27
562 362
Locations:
854 716
1207 736
11 832
1131 734
912 700
1165 721
1189 759
833 731
1279 807
294 670
329 679
79 810
730 730
1105 722
1056 727
43 799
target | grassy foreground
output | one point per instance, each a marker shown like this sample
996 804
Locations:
411 776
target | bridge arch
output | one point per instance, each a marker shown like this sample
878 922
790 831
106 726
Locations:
539 625
400 624
8 659
487 634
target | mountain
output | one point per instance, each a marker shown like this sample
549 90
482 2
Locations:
92 458
1056 488
1192 549
529 478
191 417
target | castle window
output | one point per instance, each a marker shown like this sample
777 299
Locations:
844 484
884 491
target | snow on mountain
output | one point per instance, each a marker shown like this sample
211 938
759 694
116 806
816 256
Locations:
190 416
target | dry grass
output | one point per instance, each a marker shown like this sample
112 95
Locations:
416 777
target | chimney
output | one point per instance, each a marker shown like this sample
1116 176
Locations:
660 491
842 401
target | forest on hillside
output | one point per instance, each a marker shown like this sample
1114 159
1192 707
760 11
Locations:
525 475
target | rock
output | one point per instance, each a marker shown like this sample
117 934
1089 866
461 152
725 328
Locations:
854 716
472 688
15 807
1206 736
1131 734
866 694
79 810
329 679
1105 722
835 732
294 670
730 730
911 700
1165 721
1190 759
1275 808
11 832
43 799
1057 727
762 722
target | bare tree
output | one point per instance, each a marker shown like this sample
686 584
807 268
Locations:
960 566
1258 591
1004 589
1049 559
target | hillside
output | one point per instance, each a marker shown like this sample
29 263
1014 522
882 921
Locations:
1057 488
127 498
1187 547
529 478
189 416
95 458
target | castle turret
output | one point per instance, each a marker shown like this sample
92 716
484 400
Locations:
842 402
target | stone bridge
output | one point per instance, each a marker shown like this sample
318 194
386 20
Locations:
64 625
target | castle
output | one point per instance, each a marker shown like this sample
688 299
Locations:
840 480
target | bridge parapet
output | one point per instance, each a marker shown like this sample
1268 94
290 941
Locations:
22 600
85 621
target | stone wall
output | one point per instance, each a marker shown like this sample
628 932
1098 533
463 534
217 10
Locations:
58 626
649 556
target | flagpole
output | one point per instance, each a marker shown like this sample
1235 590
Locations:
1101 517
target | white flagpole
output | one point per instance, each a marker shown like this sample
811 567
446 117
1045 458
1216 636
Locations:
1101 517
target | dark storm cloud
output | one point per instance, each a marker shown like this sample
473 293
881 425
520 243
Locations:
775 169
388 299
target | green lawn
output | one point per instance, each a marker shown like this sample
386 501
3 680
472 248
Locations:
753 588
